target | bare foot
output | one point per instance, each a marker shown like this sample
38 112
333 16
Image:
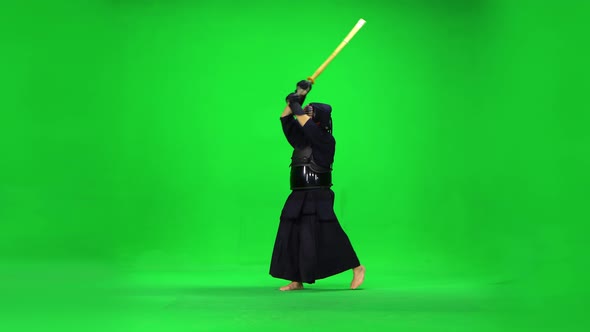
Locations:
358 278
294 285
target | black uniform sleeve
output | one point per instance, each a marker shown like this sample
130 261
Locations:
293 132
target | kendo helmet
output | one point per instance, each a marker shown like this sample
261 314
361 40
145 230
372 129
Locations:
322 115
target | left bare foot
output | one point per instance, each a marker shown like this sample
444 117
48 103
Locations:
358 278
294 285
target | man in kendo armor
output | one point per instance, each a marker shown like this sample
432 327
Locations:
310 243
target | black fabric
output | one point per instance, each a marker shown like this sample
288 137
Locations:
302 202
322 142
310 242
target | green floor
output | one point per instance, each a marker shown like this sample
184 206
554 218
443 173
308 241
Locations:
224 298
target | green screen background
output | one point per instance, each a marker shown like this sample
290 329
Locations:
145 135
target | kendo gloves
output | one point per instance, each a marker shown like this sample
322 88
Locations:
297 98
294 102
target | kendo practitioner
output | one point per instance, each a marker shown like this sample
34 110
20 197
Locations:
310 243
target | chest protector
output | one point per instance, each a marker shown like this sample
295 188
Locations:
306 174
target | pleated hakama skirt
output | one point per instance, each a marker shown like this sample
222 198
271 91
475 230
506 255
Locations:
310 242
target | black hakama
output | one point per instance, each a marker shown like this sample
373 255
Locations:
310 242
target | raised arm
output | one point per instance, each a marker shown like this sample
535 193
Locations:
296 99
292 130
295 107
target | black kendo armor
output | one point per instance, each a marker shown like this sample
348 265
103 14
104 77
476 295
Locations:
306 174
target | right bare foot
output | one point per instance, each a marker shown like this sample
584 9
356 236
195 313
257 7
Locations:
294 285
358 276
